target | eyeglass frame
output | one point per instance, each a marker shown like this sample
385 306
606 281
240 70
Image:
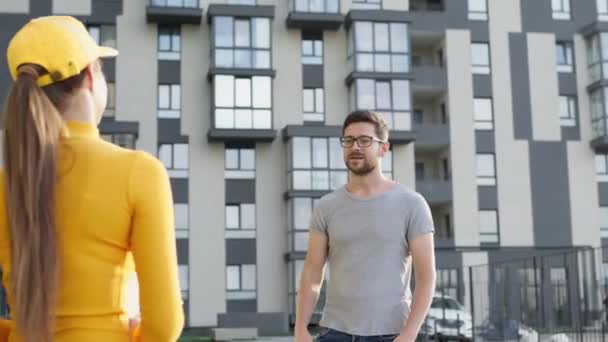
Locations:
356 140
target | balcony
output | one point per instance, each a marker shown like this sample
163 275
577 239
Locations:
430 136
436 192
427 5
315 15
174 12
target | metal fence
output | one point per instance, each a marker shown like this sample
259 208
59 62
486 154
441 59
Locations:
552 297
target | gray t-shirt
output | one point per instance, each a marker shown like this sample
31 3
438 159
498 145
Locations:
368 289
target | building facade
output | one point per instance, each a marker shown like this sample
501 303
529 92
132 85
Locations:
497 109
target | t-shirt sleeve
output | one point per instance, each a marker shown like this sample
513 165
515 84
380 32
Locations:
420 219
318 221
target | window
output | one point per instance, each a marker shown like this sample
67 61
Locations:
447 285
387 165
366 4
169 43
241 43
169 101
602 10
312 51
480 58
559 287
445 163
599 119
316 164
239 163
604 222
241 282
175 157
561 9
104 35
181 213
240 221
486 173
176 3
111 102
597 56
488 226
184 280
484 117
601 167
125 140
391 99
564 57
316 6
478 10
567 111
379 47
243 102
300 210
314 104
529 280
420 171
418 117
241 2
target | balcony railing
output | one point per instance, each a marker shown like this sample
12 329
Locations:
175 3
314 6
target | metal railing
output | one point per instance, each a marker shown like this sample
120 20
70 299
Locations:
175 3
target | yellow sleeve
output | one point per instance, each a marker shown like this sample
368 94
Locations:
154 251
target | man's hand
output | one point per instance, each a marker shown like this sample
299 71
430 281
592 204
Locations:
133 331
303 336
404 338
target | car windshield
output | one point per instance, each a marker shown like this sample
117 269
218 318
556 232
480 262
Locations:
445 303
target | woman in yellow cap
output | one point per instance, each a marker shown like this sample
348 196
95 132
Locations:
73 207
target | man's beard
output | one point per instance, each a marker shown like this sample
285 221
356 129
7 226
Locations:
362 170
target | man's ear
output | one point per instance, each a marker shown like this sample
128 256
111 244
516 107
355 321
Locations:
89 78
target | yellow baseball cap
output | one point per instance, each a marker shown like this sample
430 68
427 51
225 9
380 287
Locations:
60 44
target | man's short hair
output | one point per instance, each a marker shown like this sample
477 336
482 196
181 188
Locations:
370 117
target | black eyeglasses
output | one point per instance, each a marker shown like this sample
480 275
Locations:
362 141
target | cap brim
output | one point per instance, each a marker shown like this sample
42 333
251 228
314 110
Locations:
105 52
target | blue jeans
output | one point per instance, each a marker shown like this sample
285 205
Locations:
331 335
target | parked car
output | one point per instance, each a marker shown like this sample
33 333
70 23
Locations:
448 320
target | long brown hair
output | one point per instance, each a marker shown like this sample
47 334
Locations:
32 129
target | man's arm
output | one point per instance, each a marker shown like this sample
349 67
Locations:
422 249
310 283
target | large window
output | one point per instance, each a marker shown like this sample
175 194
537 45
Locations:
241 282
312 50
316 164
529 280
184 280
366 4
243 102
597 56
486 171
240 220
242 43
239 163
564 57
379 47
446 285
391 99
315 6
484 118
561 9
478 9
181 213
125 140
111 103
175 3
169 43
601 167
599 119
175 157
602 10
488 226
169 101
604 222
567 111
241 2
480 58
314 104
300 210
104 35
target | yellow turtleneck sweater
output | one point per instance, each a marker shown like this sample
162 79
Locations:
110 202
